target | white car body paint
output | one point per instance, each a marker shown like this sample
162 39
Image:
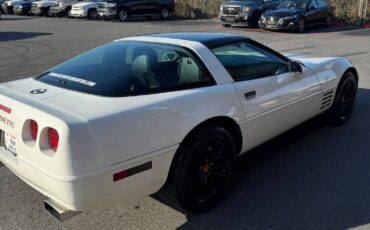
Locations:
100 136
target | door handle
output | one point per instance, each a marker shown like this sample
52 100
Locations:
250 94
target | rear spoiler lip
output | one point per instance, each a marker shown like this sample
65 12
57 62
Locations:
48 108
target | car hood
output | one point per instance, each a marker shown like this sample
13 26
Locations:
252 4
85 4
13 2
23 3
283 12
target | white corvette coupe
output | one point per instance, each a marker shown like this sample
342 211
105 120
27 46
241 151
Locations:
163 112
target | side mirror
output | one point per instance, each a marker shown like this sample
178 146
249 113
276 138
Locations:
295 67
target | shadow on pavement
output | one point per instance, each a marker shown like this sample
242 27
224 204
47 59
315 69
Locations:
14 18
10 36
312 177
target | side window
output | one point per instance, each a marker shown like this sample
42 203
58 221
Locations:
321 3
245 61
164 67
313 3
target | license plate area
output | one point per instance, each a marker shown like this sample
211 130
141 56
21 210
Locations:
8 142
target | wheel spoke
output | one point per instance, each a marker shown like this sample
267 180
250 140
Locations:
217 151
221 170
195 181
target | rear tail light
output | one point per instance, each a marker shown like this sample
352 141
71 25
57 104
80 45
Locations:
53 138
34 129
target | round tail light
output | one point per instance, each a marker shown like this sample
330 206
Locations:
53 139
34 129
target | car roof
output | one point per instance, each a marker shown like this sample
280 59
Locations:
207 39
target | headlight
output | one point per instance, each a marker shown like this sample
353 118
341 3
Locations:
60 4
246 9
291 17
111 5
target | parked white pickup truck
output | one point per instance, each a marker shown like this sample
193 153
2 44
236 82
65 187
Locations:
85 9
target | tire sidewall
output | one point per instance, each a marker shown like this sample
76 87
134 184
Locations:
335 114
185 161
90 13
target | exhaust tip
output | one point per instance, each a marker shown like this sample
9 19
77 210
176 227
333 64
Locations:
58 212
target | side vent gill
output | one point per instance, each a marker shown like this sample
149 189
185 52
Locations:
327 99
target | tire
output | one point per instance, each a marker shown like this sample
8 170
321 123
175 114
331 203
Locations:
301 27
341 111
255 20
203 172
329 21
165 13
69 13
92 14
226 25
122 15
48 13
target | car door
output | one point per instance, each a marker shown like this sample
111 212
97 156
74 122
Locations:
274 98
134 6
147 7
313 13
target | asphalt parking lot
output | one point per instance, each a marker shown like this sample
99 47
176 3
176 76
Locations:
313 177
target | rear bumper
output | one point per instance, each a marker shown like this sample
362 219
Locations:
96 189
242 19
109 13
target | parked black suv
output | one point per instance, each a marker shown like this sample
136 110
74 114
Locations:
123 9
246 12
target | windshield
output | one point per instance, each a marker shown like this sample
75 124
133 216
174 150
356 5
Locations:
128 69
243 1
294 4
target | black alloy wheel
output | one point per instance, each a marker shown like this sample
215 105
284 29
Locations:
343 104
165 13
204 171
122 15
301 27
